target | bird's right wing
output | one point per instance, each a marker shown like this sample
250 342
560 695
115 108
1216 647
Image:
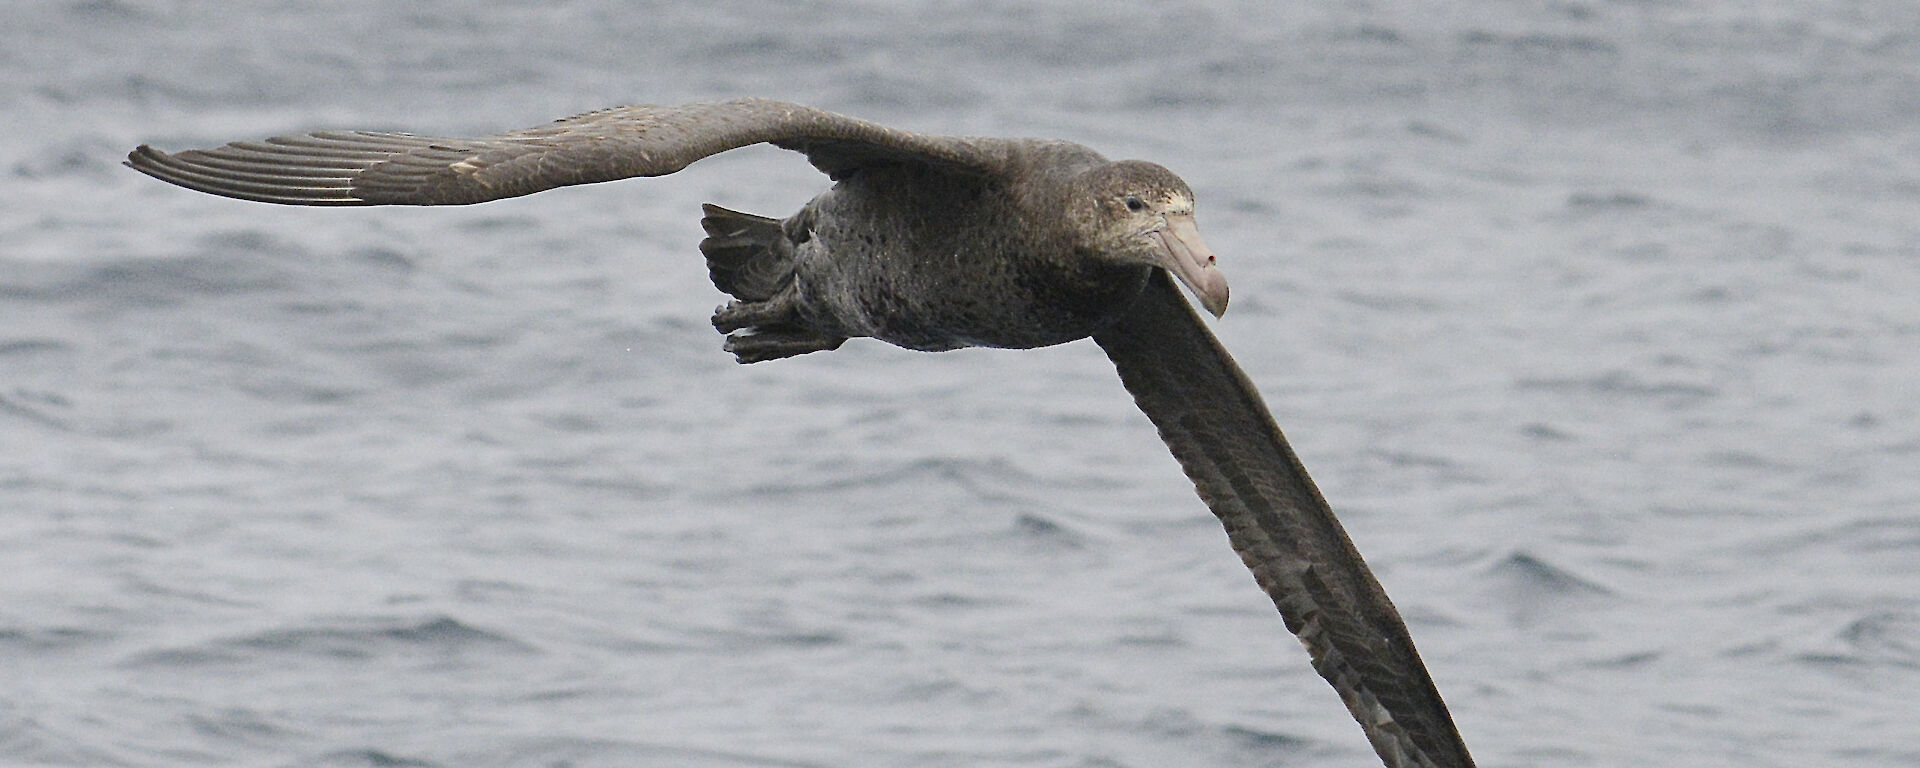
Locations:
1223 436
384 168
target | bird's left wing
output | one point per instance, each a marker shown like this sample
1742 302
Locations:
384 168
1217 427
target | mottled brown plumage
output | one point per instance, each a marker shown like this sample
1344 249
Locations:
933 243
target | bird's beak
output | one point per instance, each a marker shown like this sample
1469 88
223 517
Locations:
1184 254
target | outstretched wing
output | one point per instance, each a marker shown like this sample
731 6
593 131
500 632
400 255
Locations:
378 168
1217 427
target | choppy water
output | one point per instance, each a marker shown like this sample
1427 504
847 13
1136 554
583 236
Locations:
1596 321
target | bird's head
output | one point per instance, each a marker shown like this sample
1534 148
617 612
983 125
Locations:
1144 215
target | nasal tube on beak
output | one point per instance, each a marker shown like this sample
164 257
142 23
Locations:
1187 256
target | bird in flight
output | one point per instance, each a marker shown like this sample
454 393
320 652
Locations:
936 243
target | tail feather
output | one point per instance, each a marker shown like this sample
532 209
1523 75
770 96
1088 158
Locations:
747 255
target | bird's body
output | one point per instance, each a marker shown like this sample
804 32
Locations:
900 253
935 243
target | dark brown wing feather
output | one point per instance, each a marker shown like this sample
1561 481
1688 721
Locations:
1218 428
375 168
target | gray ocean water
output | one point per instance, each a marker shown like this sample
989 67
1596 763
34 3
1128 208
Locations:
1598 322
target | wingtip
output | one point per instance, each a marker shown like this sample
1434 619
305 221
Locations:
143 157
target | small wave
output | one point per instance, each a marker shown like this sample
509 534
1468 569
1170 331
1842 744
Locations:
1635 659
240 725
1209 740
1545 433
371 758
735 639
1041 529
184 657
583 753
1886 536
27 739
1538 43
38 407
985 479
1622 385
1595 202
1530 588
233 267
1524 571
1884 639
1390 302
1264 740
438 636
44 639
84 157
33 346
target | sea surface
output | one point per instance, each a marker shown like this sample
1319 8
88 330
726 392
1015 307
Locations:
1598 323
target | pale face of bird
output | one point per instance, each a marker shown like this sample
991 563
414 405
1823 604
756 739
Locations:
1147 218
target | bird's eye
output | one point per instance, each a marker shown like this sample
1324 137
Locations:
1135 204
